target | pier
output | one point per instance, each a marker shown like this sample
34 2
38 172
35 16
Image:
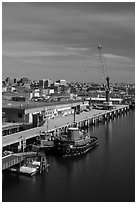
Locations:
60 125
13 159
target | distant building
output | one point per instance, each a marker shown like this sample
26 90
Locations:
25 80
36 93
9 81
65 89
4 89
102 100
8 89
44 92
51 91
41 83
56 89
15 80
62 82
56 84
18 98
27 86
44 83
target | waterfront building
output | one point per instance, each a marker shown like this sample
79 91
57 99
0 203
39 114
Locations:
32 112
102 100
21 112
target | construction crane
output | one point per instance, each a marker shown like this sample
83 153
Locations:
108 103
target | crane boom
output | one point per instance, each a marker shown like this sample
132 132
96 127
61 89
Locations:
106 78
100 48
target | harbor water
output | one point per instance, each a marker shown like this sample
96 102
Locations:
104 174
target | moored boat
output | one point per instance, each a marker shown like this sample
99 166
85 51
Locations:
44 142
74 143
29 169
31 166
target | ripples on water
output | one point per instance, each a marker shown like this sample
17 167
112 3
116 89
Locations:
106 173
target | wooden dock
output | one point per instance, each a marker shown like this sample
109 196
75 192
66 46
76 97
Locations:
61 124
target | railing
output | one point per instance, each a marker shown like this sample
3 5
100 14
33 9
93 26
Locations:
19 157
12 162
25 153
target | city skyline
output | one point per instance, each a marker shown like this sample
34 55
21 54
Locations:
60 40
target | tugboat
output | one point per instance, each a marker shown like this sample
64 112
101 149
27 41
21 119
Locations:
75 142
45 142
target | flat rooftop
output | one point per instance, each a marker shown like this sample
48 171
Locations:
31 104
103 99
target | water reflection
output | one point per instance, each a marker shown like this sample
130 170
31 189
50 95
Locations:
102 174
108 131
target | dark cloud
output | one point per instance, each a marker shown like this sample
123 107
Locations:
53 28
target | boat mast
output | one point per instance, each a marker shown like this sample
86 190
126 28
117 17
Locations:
47 125
74 115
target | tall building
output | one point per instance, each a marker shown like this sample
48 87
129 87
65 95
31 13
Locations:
15 80
44 83
9 81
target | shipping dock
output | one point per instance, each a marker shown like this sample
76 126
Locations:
60 125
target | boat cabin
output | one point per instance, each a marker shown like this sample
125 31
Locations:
74 134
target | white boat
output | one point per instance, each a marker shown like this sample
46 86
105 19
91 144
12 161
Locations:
27 170
30 168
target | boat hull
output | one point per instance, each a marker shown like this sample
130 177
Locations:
67 150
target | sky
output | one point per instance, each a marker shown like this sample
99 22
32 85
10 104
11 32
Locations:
59 40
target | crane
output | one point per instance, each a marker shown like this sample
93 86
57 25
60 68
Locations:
106 78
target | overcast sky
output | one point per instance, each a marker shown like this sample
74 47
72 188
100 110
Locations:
60 40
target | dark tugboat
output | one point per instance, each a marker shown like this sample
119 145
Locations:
44 142
75 142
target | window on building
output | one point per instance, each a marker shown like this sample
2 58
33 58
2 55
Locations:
19 115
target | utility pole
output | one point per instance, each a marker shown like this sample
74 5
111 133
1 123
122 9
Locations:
47 125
